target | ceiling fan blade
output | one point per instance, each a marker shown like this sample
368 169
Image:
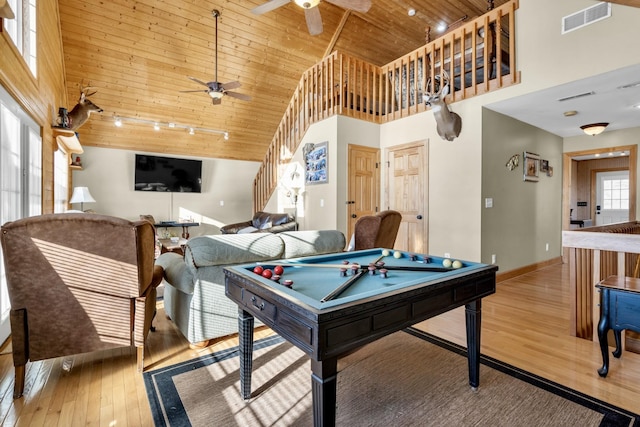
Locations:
314 20
269 6
199 90
357 5
237 95
198 81
230 85
216 101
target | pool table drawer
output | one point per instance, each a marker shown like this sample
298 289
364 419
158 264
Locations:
253 303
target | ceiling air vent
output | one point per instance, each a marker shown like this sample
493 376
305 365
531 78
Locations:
586 16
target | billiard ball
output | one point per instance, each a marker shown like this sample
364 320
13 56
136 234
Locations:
267 273
446 263
257 269
385 252
397 254
456 264
278 269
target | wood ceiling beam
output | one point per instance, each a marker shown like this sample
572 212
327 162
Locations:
337 33
632 3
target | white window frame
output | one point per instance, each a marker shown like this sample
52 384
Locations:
22 31
60 181
20 179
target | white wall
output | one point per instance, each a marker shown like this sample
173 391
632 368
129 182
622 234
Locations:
323 206
109 174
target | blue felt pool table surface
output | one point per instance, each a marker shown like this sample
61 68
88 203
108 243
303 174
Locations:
312 284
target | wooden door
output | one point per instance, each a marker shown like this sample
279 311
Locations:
364 184
406 189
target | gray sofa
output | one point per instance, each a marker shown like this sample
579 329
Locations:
194 296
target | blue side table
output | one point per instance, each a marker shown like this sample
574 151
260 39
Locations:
619 310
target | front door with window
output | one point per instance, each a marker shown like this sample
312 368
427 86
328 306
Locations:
612 197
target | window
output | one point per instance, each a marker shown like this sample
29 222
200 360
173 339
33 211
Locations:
20 178
61 181
615 194
22 30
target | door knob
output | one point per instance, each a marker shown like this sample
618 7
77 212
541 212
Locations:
419 217
354 216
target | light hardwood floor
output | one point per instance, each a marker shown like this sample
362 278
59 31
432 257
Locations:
525 324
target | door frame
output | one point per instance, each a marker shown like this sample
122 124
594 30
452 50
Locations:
566 182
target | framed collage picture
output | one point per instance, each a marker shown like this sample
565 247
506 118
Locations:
316 163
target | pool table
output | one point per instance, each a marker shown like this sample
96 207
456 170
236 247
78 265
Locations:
326 319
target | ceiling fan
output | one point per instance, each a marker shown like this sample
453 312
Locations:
311 11
215 89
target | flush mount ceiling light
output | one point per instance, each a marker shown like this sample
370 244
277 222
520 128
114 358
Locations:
594 128
307 4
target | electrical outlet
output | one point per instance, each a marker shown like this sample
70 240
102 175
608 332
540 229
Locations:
447 255
546 247
493 258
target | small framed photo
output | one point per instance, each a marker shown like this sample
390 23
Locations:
550 171
531 166
544 166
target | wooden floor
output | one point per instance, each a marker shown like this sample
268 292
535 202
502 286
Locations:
525 324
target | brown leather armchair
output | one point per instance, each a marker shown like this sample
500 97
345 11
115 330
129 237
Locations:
376 231
78 283
262 222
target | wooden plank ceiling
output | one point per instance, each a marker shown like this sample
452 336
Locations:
138 56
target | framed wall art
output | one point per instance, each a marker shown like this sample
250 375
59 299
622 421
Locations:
531 166
544 166
316 159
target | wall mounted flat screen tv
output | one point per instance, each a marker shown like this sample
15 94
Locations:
154 173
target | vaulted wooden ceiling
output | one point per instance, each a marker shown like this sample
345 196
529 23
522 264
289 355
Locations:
138 55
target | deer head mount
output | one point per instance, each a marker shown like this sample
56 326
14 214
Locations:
80 113
449 124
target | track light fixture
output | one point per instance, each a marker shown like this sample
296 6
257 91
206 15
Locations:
192 130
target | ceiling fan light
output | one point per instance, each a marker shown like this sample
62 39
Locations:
215 94
307 4
594 128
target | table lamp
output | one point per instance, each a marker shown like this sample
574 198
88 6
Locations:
81 195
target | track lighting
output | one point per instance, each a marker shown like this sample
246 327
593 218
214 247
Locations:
192 130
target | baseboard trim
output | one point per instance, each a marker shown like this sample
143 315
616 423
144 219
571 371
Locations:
501 277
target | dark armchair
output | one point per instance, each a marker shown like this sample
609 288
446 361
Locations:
262 222
376 231
78 283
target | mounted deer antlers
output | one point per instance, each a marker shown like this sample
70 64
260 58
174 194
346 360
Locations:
449 124
80 113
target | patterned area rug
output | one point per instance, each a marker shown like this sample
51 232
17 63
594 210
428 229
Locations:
408 378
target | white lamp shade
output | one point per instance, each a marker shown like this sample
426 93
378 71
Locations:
81 195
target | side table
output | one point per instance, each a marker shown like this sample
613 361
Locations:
619 306
170 246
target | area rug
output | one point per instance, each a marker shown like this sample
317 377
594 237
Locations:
408 378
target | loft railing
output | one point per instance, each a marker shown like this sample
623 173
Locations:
479 57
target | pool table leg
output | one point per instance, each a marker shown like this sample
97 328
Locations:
473 318
323 382
245 348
